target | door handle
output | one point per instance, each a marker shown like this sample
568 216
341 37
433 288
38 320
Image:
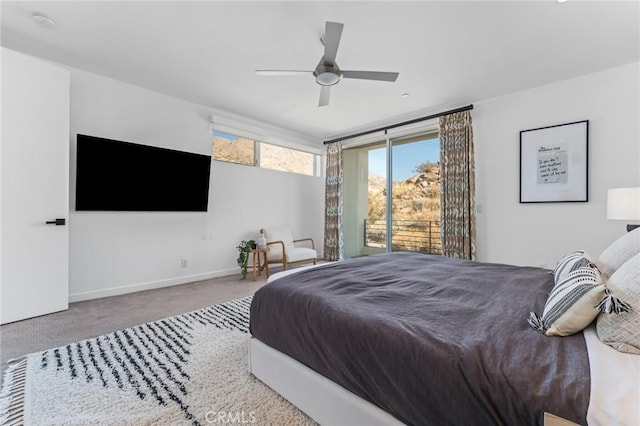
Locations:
57 222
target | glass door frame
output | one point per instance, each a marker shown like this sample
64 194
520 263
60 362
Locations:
386 141
389 200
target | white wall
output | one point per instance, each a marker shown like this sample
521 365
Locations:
119 252
114 253
537 234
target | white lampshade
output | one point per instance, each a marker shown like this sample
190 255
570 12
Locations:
623 203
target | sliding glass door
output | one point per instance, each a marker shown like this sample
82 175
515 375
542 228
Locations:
365 199
392 196
415 194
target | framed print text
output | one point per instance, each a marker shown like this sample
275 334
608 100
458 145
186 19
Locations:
554 163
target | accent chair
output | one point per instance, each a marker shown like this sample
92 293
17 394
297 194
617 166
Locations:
283 249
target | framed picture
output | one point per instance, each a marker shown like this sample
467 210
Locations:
554 163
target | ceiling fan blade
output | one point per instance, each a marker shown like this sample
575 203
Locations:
371 75
332 34
282 72
325 91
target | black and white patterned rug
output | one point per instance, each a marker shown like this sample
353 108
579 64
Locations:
186 369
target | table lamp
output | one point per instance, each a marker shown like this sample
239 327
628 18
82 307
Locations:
624 204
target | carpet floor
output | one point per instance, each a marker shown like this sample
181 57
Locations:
186 369
91 318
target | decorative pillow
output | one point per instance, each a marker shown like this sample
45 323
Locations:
622 332
570 262
575 301
621 250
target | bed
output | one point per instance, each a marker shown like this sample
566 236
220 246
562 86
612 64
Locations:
406 338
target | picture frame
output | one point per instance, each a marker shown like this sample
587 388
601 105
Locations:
554 163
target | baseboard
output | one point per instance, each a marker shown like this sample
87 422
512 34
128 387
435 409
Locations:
132 288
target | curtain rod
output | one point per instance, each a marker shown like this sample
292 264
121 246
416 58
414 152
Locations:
404 123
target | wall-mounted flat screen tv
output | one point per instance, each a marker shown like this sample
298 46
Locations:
122 176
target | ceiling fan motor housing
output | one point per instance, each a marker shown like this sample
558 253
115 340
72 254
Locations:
327 75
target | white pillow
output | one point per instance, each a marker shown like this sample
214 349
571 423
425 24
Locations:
621 250
622 332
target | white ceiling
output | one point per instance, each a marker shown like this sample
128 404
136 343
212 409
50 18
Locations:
448 54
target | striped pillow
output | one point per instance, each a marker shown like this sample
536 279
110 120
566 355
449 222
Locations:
575 301
571 262
571 304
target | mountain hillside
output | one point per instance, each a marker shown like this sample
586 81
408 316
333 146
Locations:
416 210
272 157
416 198
237 151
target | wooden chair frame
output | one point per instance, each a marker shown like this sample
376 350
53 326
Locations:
284 262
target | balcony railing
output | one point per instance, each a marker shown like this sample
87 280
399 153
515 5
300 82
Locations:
411 235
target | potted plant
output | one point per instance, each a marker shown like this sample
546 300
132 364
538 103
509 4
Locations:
244 248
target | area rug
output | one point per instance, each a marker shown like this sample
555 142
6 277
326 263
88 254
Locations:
186 369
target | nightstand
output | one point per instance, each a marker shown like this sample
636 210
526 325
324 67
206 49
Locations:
257 265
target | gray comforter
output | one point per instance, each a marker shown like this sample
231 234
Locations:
431 340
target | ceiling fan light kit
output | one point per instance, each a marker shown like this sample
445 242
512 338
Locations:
327 73
327 76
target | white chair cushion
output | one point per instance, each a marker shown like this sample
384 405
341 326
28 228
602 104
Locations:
300 253
278 234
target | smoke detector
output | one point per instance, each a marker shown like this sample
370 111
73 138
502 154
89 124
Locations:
43 20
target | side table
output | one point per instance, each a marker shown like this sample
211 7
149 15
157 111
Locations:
257 265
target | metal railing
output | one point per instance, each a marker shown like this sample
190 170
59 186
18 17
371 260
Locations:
411 235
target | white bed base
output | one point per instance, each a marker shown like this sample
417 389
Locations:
320 398
323 400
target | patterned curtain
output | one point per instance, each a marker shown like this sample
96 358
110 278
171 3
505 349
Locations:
457 186
333 221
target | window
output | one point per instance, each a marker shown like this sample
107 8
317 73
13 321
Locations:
240 150
233 149
286 159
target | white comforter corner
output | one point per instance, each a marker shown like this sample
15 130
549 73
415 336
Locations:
615 384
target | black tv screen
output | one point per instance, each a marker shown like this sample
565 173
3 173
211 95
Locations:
121 176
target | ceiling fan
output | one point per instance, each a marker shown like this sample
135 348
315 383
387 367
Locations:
327 73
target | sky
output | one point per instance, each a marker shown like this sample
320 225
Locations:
227 136
405 158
